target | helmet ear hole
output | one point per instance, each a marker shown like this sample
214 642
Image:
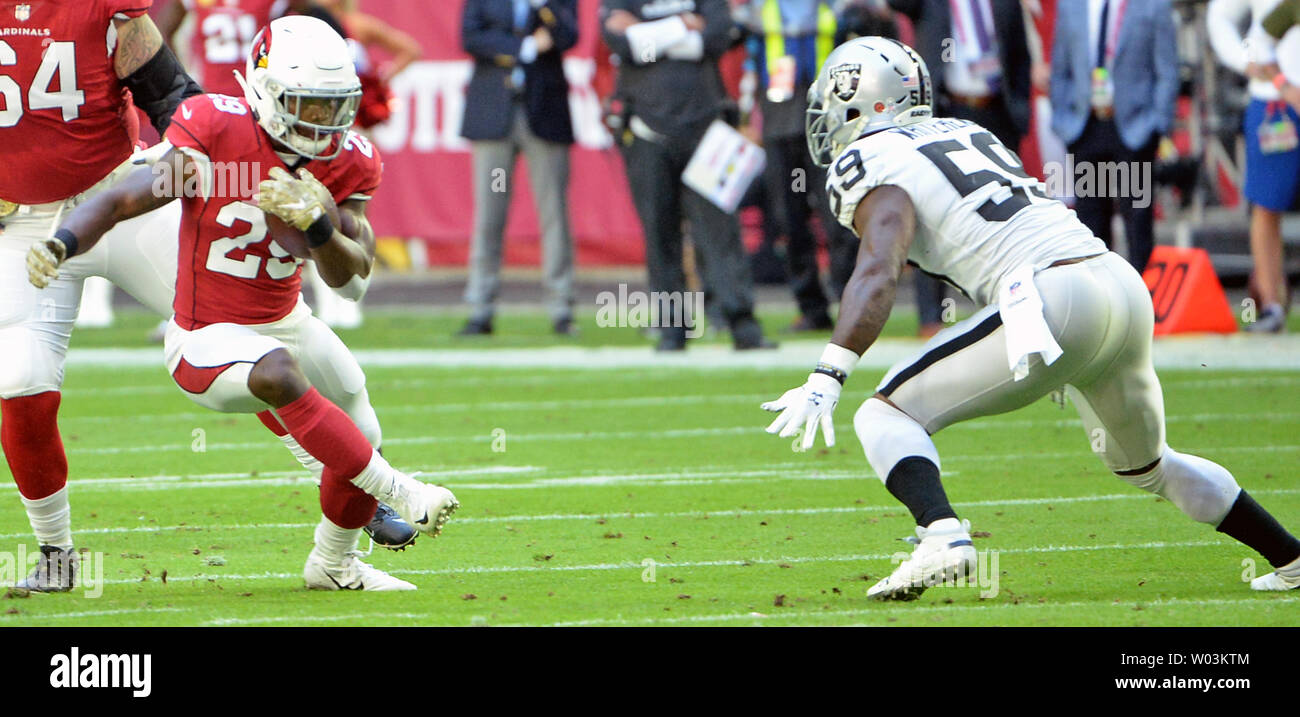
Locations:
852 114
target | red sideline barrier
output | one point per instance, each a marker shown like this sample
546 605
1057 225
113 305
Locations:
428 189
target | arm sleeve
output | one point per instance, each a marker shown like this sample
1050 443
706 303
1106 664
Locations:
159 87
1221 21
485 41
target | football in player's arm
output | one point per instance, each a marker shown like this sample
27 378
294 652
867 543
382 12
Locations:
302 202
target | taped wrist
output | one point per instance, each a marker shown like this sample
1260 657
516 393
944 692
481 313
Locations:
837 362
319 232
159 87
69 241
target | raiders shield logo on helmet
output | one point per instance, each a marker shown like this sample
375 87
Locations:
845 78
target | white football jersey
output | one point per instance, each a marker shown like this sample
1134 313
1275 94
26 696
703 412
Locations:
978 214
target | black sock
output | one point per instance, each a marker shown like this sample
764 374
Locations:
1249 523
914 481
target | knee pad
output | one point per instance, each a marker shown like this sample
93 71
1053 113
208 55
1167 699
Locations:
1202 489
888 436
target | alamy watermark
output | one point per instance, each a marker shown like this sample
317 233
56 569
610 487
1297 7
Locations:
84 569
1114 180
651 310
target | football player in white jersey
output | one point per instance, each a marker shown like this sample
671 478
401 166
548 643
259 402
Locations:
1059 310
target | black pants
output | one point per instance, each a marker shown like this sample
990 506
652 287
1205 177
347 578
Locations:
654 171
996 119
793 185
1101 143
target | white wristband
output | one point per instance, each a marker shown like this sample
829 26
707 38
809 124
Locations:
839 358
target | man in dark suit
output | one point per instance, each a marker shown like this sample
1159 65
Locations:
1114 93
518 101
978 55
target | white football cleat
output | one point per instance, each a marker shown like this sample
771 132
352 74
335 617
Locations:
352 575
1286 577
944 553
425 506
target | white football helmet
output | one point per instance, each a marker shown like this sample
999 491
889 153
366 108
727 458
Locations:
866 85
302 85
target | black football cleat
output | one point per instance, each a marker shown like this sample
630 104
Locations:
55 572
388 530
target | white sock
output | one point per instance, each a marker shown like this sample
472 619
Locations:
382 481
334 543
51 519
307 460
1290 570
944 525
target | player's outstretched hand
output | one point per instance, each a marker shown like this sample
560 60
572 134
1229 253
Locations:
809 406
292 200
43 261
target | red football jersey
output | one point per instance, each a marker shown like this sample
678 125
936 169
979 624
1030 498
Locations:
230 270
63 112
223 30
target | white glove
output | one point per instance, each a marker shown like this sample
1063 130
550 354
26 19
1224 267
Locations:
808 406
43 260
293 200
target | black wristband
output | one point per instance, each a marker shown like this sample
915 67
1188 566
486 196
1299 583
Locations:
829 370
320 231
69 241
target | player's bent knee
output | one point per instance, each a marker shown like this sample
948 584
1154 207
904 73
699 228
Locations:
1202 489
888 436
277 379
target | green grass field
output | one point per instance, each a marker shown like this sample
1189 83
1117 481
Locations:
643 496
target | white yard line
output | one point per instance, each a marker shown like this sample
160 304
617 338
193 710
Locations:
755 428
543 568
776 613
1227 352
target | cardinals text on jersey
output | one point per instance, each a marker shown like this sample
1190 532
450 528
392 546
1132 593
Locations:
65 121
229 269
979 215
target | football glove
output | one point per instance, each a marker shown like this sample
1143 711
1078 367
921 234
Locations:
294 200
808 406
321 191
43 260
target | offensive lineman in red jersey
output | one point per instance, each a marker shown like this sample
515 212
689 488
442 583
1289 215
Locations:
223 30
68 130
241 338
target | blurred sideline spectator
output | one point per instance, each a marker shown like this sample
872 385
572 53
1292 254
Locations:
518 101
1272 154
671 92
1113 92
979 62
788 41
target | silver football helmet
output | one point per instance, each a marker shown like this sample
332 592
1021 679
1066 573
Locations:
866 85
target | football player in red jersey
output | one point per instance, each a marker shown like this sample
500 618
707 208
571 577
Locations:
241 339
68 130
223 30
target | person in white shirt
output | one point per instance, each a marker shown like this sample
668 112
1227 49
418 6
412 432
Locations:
1272 150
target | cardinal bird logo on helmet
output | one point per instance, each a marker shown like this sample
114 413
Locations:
262 47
